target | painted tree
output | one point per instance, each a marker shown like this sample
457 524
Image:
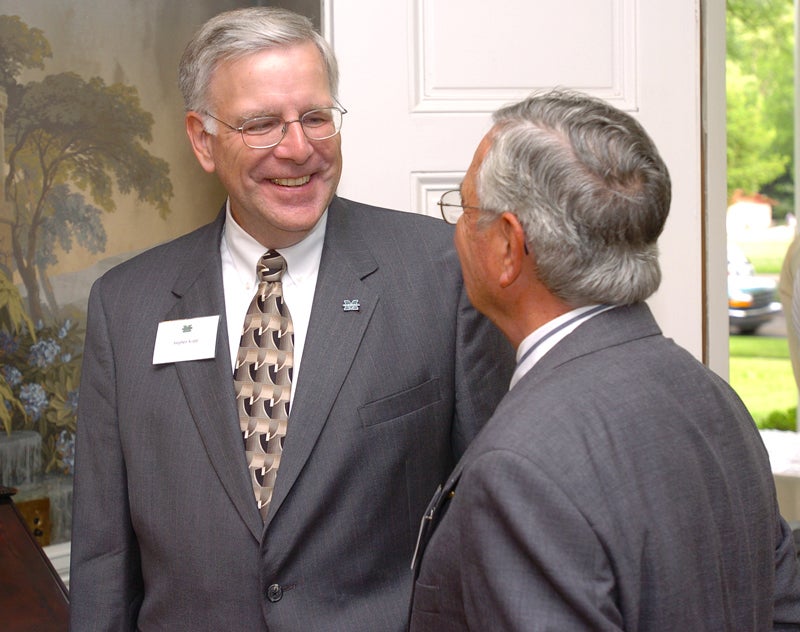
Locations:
20 47
72 221
65 133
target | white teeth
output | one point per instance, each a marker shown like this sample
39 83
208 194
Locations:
291 182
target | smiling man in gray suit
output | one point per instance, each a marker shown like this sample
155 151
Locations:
198 504
620 485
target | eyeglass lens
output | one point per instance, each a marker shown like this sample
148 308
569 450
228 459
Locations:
451 206
266 131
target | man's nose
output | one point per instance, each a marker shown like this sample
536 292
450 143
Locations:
295 143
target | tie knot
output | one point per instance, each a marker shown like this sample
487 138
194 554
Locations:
270 266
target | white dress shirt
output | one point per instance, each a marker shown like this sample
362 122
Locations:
240 253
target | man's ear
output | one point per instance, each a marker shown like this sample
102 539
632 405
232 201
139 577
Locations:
514 247
200 140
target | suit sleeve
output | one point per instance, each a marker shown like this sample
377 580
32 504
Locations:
530 559
105 575
484 364
787 582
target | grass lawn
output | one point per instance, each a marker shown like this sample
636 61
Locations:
765 248
761 373
760 369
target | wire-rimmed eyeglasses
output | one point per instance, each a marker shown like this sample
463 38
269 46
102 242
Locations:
263 132
452 206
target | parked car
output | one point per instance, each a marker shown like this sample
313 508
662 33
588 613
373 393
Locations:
751 299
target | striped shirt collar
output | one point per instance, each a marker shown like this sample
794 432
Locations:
541 340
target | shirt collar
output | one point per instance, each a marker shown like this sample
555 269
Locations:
302 259
541 340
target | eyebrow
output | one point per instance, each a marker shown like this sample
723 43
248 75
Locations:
267 113
247 116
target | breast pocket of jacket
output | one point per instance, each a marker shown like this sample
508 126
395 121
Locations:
425 600
404 403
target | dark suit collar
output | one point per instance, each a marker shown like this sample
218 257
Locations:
208 384
610 328
334 335
204 253
345 243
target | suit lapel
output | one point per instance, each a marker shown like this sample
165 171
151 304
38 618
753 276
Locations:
208 384
334 335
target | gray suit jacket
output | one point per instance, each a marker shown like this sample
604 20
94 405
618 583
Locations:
166 531
620 485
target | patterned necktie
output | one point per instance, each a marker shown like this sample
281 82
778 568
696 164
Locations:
263 377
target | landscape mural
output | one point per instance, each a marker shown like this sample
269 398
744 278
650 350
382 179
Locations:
96 169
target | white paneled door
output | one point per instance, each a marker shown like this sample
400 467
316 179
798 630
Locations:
421 77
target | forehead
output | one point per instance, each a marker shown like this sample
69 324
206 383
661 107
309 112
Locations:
470 183
272 77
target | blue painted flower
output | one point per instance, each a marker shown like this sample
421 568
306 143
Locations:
64 330
65 444
43 353
8 343
12 374
34 400
72 401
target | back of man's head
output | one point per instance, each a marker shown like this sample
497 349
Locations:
590 189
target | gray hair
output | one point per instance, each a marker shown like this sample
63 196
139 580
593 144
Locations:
236 34
590 190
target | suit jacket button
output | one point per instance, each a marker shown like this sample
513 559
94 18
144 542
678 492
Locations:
274 593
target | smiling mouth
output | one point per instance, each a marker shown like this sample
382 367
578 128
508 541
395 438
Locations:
291 182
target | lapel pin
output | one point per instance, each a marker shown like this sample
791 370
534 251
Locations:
350 305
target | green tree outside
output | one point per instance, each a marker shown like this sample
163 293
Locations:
760 94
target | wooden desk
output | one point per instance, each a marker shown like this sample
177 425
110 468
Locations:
32 596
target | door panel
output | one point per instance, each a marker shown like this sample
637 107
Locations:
421 78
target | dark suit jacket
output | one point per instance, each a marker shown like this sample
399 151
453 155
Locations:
166 531
620 485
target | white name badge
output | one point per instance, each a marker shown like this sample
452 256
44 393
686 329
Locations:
184 340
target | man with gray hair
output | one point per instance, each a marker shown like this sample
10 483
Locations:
267 403
620 484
